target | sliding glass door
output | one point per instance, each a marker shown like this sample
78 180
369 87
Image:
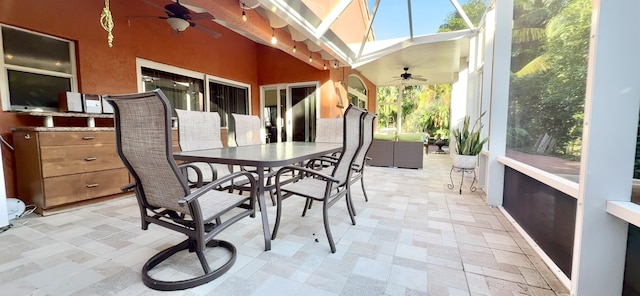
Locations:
289 111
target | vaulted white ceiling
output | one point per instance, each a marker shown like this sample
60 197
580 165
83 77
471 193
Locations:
437 57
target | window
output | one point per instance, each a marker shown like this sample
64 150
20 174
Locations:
183 92
187 90
548 85
226 99
36 68
357 92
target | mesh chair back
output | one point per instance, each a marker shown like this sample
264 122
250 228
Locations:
198 130
143 137
247 129
367 139
352 141
329 130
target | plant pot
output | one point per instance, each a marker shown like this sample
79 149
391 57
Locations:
465 161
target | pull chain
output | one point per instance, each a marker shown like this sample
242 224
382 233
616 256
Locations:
106 20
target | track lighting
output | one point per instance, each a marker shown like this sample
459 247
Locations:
294 47
310 58
324 65
274 40
244 15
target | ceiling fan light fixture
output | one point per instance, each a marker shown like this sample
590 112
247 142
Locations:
274 40
244 14
178 24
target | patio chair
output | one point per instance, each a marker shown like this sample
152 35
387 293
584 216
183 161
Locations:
325 188
143 141
361 158
247 129
329 130
359 162
201 130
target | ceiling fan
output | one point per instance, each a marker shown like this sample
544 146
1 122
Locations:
406 76
180 18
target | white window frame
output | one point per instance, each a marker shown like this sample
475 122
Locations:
206 78
361 97
4 84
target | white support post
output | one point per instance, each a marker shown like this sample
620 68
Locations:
611 114
501 57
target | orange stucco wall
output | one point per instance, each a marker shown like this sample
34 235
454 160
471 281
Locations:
105 70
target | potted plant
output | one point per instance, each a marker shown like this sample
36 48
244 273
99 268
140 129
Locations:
468 143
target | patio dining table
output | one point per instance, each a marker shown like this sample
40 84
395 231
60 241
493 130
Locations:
261 157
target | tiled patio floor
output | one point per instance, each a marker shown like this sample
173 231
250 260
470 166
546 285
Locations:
413 237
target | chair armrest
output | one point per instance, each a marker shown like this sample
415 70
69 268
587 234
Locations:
306 171
128 187
185 166
320 162
213 185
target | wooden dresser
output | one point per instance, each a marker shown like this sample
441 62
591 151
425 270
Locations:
58 167
63 167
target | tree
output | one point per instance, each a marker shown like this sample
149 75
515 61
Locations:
549 61
453 22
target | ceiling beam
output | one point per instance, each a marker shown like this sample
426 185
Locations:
366 33
331 17
463 14
410 19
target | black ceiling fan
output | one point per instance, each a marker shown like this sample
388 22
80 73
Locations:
180 17
408 76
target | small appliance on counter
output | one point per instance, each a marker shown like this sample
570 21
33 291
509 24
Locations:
70 102
92 103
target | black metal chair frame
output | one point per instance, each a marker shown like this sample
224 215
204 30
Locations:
185 216
335 188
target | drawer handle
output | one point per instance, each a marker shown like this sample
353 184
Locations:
92 185
88 138
90 158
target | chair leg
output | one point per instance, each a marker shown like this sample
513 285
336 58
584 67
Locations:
362 183
325 217
350 208
307 205
208 275
278 213
273 199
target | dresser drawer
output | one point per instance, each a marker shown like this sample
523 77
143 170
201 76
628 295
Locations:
76 138
66 160
68 189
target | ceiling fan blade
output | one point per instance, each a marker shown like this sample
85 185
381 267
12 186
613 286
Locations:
208 31
201 16
418 78
159 7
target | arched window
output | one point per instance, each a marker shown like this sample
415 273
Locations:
357 92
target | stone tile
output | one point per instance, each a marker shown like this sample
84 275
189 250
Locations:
413 237
409 278
373 269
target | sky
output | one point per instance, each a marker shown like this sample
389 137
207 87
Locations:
392 18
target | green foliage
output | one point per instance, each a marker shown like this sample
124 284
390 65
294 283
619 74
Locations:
474 10
424 108
467 139
549 63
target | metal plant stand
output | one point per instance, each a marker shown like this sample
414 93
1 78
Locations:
463 171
